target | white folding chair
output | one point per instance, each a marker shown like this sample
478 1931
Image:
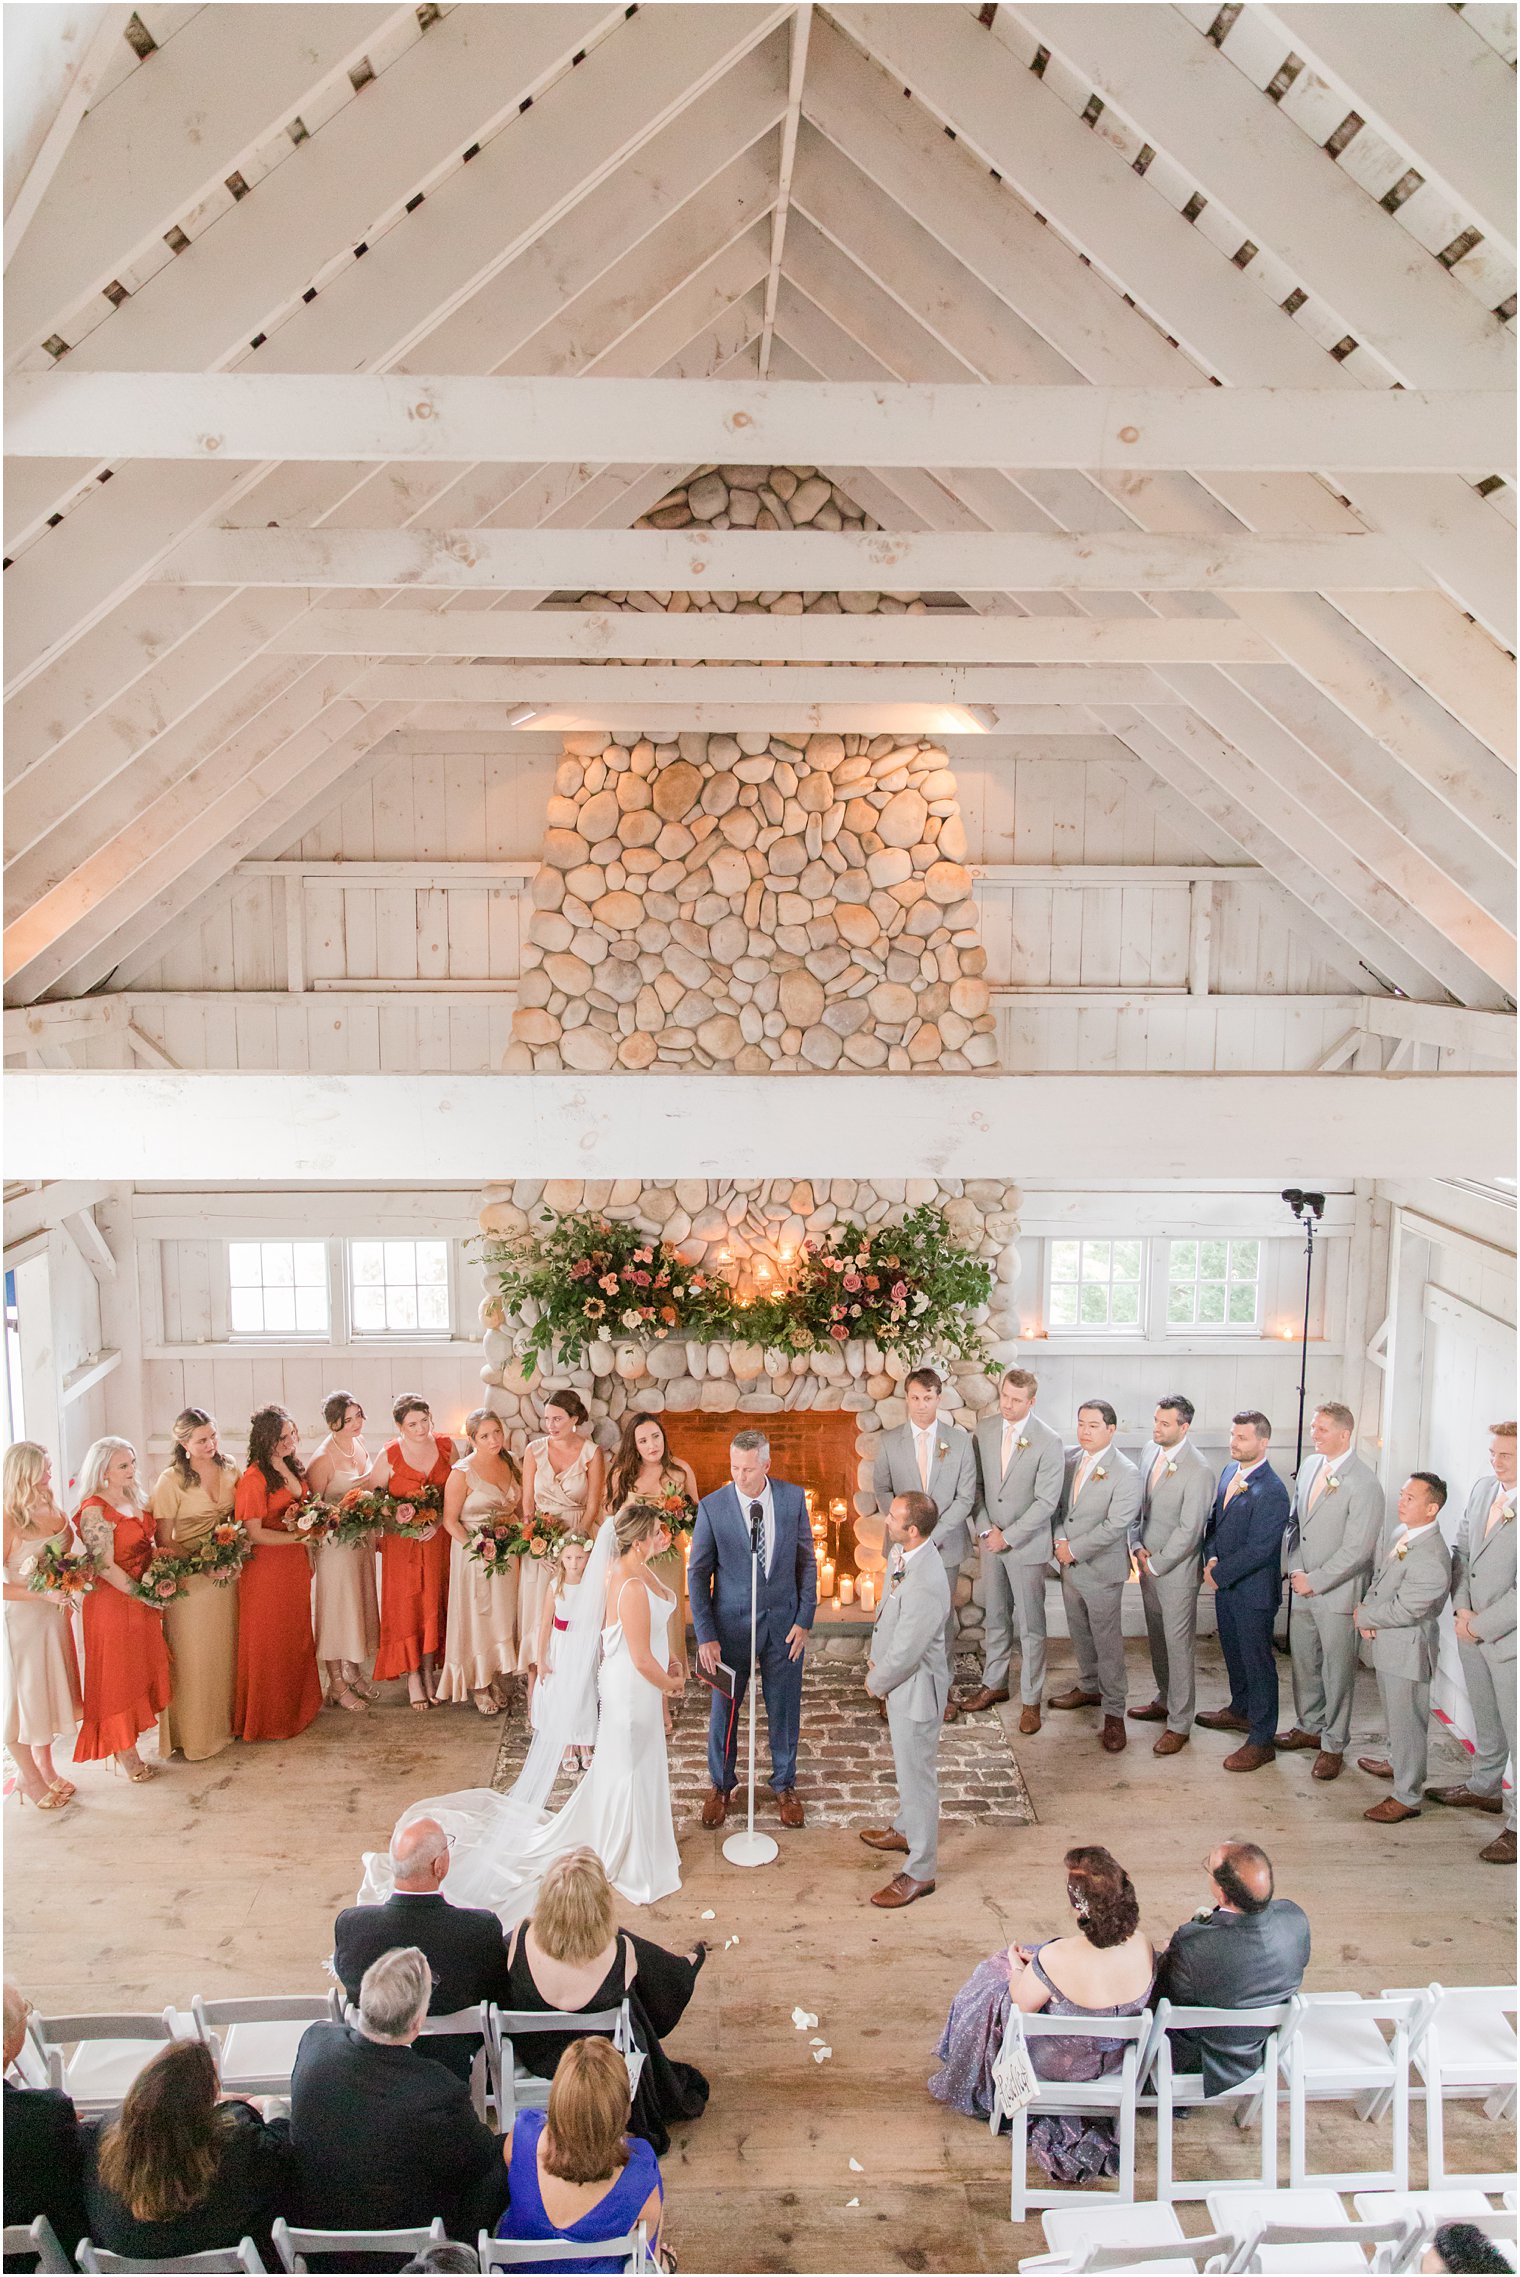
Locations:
520 2090
485 2082
109 2052
1423 2210
1463 2045
227 2258
1306 2230
290 2244
1113 2096
1334 2050
1253 2097
37 2237
255 2041
511 2253
1124 2237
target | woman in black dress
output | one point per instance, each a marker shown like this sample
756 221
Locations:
573 1957
177 2171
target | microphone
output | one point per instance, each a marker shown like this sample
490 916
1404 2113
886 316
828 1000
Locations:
756 1522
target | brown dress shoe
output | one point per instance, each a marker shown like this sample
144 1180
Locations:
1297 1738
952 1710
1154 1712
1112 1738
1170 1743
1250 1757
1076 1698
1501 1851
714 1807
1327 1766
1391 1812
901 1890
988 1697
1029 1719
1375 1766
790 1802
1465 1799
884 1838
1222 1719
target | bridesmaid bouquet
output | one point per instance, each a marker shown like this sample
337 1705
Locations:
319 1523
496 1545
161 1581
371 1510
219 1556
675 1508
60 1568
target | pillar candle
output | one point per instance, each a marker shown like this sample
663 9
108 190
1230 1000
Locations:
826 1578
867 1593
847 1589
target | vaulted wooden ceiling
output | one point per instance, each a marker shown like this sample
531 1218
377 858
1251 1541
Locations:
1298 197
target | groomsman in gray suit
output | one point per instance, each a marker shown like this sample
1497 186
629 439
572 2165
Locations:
911 1672
1176 1496
928 1456
1483 1599
1021 1463
1100 1501
1397 1617
1329 1552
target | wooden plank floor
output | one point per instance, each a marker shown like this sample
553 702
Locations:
224 1877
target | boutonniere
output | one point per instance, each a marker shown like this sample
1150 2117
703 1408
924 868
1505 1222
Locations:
1171 1470
1100 1472
1402 1551
943 1450
1332 1486
1021 1441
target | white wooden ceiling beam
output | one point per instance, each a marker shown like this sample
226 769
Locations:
1059 300
800 30
393 417
374 312
1430 85
1192 102
736 561
166 139
942 637
634 684
715 717
55 61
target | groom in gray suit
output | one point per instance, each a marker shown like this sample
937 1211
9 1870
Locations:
1022 1464
1397 1617
928 1456
1176 1496
910 1671
1329 1552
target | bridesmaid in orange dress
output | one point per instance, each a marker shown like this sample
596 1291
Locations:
126 1662
414 1576
279 1691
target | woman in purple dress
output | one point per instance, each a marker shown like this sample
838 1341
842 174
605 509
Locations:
1107 1968
576 2175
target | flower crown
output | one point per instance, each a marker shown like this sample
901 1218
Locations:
574 1542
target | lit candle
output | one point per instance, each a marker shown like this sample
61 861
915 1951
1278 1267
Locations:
826 1578
847 1589
867 1593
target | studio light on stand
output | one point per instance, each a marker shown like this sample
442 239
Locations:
1308 1209
750 1848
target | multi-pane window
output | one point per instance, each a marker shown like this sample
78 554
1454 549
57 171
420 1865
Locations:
1095 1284
1213 1284
278 1288
399 1288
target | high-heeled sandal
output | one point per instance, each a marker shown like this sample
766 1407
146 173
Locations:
139 1777
486 1703
64 1787
51 1801
347 1698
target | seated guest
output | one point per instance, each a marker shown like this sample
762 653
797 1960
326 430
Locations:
463 1944
1462 2245
177 2171
1248 1950
574 2171
447 2257
1105 1969
384 2136
573 1956
44 2156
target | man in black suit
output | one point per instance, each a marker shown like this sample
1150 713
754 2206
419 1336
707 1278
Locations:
464 1944
44 2156
384 2137
1248 1950
1242 1564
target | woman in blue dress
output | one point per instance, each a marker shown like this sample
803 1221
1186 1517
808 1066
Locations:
574 2172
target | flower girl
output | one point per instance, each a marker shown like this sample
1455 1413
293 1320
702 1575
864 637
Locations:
565 1575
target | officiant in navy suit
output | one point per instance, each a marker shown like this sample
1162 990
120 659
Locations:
718 1581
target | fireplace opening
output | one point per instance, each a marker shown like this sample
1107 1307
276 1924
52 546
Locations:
814 1451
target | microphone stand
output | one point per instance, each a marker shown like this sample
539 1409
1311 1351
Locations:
750 1848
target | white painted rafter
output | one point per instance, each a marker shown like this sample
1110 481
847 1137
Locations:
801 27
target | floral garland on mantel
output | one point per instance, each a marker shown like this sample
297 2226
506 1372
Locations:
585 1279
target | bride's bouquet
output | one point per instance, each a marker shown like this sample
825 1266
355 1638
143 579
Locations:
219 1556
162 1580
60 1567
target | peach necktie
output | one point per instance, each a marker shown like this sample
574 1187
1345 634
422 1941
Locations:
923 1457
1321 1481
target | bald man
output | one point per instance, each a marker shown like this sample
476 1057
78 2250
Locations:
464 1945
1249 1949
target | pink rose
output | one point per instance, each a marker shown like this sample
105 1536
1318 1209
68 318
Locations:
405 1513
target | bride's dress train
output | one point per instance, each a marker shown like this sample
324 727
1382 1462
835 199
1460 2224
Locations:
621 1808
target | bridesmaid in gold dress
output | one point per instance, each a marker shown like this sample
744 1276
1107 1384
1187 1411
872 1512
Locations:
43 1697
565 1481
346 1608
194 1494
480 1635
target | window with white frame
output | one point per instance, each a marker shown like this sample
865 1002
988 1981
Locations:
278 1288
1095 1286
399 1288
1213 1283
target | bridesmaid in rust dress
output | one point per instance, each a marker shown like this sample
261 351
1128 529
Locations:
126 1662
279 1691
414 1575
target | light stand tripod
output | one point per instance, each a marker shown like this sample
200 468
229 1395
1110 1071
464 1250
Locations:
750 1848
1308 1209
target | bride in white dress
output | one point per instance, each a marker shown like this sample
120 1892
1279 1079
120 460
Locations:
502 1844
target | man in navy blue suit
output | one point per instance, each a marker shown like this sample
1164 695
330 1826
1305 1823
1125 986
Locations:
1242 1552
718 1579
